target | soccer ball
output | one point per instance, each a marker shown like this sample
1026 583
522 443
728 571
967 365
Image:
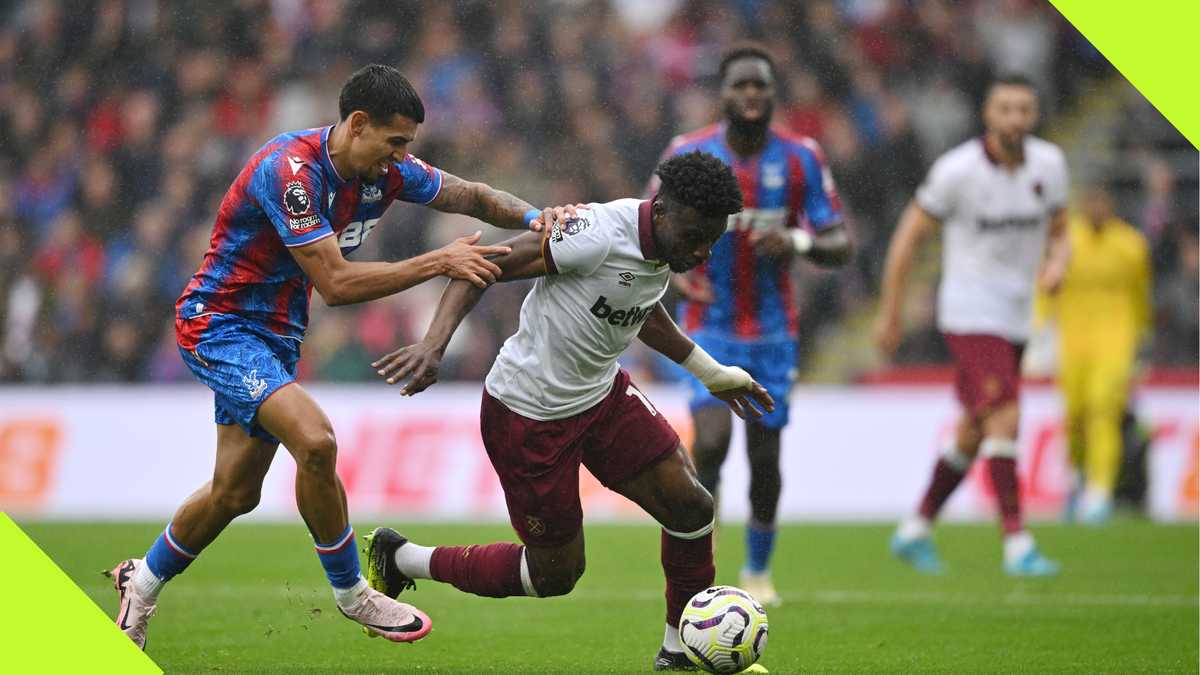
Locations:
723 629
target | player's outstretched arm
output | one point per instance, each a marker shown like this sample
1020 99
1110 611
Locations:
734 386
342 282
419 363
496 207
915 225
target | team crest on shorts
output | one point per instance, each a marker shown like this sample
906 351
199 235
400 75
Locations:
535 525
255 385
295 198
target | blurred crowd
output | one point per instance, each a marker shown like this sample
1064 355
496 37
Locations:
122 122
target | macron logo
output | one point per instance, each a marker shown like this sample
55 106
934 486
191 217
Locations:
619 317
296 163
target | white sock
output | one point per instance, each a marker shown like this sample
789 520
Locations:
1017 545
671 641
348 597
956 459
413 560
145 583
912 528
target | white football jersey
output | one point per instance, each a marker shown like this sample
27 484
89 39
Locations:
995 223
602 283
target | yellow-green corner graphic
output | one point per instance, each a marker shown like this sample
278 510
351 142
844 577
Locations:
48 625
1153 44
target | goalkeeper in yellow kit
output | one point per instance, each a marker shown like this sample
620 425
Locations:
1102 311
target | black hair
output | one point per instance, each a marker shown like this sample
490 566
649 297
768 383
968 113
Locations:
744 50
1013 80
701 181
381 92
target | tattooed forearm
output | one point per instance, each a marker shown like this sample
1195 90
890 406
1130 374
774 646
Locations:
481 201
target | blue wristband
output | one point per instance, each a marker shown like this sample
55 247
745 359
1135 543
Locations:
532 215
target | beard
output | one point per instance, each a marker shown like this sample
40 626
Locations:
747 127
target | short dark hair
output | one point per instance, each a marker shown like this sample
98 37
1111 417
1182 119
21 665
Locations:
701 181
381 92
1013 80
744 50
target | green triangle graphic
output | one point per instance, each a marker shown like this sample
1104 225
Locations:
1153 44
49 625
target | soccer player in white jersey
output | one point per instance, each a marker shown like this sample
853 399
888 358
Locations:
556 398
1000 200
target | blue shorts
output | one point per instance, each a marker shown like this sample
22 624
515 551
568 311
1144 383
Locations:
772 363
243 364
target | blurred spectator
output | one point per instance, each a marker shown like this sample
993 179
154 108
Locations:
122 123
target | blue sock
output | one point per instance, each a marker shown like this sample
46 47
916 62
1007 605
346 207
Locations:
340 560
760 541
167 557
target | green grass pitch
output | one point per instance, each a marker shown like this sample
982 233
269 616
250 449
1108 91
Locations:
256 601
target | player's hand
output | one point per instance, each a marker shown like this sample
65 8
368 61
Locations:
1050 277
462 259
887 335
555 214
772 242
694 286
417 363
748 399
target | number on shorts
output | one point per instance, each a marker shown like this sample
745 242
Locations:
633 391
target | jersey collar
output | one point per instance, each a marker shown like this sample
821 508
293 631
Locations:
646 230
327 161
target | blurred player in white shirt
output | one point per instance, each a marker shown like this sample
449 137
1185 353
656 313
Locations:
1000 201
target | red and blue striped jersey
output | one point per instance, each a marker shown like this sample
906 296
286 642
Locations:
787 184
289 194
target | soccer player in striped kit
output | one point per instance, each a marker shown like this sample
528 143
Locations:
1001 203
739 305
302 203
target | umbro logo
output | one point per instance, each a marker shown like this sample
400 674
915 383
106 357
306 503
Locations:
625 279
295 163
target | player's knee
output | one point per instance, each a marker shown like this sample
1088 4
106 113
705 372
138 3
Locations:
691 511
236 501
317 452
1003 421
559 580
710 450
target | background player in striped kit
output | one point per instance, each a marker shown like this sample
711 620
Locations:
739 305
